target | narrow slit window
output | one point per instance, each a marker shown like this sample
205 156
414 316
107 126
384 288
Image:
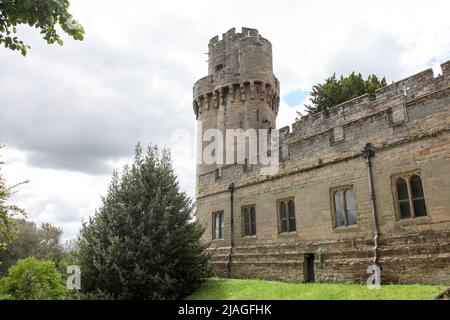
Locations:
418 198
339 209
286 212
217 226
403 198
249 221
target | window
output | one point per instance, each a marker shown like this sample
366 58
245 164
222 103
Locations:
217 225
286 216
246 167
219 67
249 221
409 196
344 207
218 173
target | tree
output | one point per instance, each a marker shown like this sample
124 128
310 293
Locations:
8 212
335 91
142 242
50 246
44 15
43 243
31 279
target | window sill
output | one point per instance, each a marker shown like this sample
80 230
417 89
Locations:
415 221
350 228
288 234
218 240
249 237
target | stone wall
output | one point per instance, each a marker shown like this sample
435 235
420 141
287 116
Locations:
408 124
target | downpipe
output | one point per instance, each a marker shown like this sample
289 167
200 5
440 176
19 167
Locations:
368 153
230 254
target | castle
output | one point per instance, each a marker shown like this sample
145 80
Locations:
367 183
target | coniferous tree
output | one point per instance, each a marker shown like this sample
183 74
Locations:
142 242
335 91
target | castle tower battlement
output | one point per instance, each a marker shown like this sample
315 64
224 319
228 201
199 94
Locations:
240 90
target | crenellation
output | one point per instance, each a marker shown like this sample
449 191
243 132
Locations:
386 97
445 67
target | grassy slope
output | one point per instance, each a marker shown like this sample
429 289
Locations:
221 289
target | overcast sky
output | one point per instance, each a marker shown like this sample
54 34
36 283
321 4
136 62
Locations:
70 115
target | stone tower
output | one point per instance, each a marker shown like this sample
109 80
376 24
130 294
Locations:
240 90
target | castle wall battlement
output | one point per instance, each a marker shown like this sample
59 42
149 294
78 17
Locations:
409 109
387 97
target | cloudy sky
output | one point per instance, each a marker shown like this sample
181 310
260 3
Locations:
70 115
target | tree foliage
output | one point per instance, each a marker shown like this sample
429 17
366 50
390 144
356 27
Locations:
43 243
31 279
8 212
142 242
335 91
44 15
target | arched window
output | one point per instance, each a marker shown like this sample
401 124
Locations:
253 220
344 207
351 207
291 207
283 217
410 199
418 198
403 198
410 196
339 208
286 211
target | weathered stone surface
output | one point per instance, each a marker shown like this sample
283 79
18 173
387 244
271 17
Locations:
408 124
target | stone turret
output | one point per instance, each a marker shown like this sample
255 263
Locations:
240 90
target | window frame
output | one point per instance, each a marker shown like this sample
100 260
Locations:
288 219
251 222
221 225
219 67
333 192
407 176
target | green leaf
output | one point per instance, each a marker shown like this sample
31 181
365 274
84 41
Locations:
44 15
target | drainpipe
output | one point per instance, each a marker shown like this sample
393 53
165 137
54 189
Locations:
231 190
368 153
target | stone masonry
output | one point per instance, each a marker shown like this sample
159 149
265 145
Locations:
408 125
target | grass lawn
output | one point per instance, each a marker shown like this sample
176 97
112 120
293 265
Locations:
226 289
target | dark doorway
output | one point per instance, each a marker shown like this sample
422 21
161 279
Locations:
309 268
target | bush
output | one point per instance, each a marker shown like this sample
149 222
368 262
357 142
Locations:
31 279
142 242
